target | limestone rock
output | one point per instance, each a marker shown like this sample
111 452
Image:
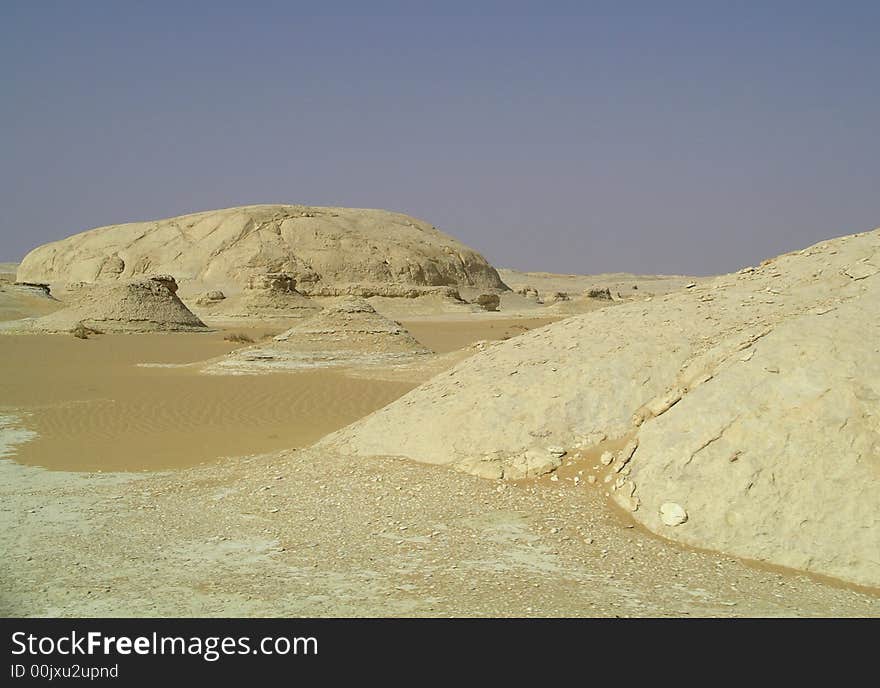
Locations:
672 514
140 305
268 296
348 332
532 463
327 251
483 467
488 302
210 297
779 369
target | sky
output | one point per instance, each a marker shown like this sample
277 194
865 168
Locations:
578 137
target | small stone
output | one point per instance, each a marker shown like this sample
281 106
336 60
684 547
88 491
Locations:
556 451
673 514
606 458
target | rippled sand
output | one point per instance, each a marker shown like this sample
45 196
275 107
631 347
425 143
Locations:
120 402
93 407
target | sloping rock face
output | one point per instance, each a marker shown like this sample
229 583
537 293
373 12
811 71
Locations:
347 333
327 251
748 409
19 301
271 296
140 305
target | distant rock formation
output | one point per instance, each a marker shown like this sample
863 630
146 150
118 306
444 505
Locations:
325 251
739 414
488 302
141 305
272 296
347 333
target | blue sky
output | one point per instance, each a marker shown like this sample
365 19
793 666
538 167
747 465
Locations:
676 137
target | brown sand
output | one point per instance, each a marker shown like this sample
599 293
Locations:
448 335
94 408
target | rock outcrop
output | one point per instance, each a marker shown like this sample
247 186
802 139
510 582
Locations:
22 300
326 251
141 305
747 406
347 333
271 296
488 302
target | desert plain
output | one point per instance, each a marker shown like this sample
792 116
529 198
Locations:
302 411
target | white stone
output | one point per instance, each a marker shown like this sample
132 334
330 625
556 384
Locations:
672 514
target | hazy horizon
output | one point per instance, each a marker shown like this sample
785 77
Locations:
682 138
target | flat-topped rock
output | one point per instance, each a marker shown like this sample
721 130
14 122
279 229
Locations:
325 251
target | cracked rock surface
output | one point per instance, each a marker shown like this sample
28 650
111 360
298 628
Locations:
753 400
138 305
326 251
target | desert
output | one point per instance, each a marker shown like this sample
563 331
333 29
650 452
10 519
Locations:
330 432
445 335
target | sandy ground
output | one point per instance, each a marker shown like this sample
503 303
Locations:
444 336
131 402
300 532
305 533
625 284
92 408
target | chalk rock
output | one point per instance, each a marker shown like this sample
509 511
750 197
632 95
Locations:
672 514
802 491
327 251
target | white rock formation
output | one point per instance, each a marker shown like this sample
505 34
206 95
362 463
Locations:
327 251
270 297
347 333
752 401
139 305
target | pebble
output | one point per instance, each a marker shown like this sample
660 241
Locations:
673 514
